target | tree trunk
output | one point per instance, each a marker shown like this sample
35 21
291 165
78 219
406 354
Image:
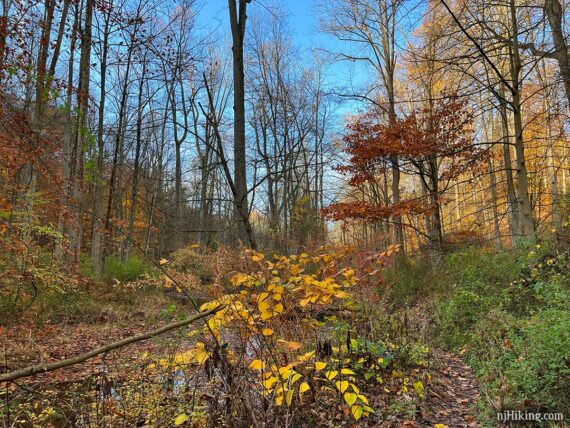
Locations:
82 133
554 13
238 16
523 198
136 165
97 237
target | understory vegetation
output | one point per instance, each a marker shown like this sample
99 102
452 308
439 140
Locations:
325 339
506 312
292 341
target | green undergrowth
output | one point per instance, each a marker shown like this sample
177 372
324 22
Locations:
48 293
506 312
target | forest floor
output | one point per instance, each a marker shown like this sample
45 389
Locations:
453 394
117 314
450 396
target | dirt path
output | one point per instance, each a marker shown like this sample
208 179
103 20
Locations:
452 397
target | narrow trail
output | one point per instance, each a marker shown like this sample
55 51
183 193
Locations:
452 397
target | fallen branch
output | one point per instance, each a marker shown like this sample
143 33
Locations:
48 367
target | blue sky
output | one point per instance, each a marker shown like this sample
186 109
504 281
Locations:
303 20
302 17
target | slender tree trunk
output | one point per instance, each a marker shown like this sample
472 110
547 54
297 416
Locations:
136 165
82 132
67 135
42 83
118 147
97 236
512 205
398 230
238 16
554 12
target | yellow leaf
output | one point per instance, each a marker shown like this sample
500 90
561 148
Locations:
289 397
440 426
201 357
285 372
209 305
168 282
163 261
278 308
262 296
257 365
279 399
263 306
350 398
257 257
341 385
357 412
331 374
363 399
304 387
180 419
306 357
183 358
419 388
347 371
267 332
295 378
319 365
268 383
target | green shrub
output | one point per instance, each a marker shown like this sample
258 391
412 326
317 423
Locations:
540 367
410 281
525 361
507 312
458 316
510 311
130 269
483 271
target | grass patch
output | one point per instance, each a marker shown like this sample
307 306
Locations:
127 270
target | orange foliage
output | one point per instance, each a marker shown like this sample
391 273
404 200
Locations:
437 135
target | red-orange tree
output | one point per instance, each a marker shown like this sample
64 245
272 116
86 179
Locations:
435 144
